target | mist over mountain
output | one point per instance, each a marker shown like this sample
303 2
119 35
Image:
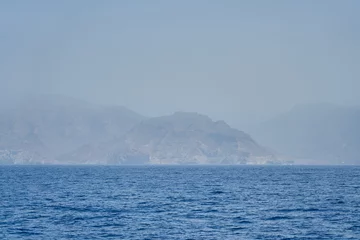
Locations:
180 138
314 134
39 128
58 129
64 130
192 137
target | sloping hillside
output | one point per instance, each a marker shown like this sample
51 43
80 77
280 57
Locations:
49 125
181 138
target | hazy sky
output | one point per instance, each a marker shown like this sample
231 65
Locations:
234 60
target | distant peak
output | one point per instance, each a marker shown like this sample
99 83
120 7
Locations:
222 123
191 115
181 113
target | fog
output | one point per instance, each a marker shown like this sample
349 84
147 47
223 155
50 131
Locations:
240 61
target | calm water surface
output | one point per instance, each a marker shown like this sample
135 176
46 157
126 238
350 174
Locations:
208 202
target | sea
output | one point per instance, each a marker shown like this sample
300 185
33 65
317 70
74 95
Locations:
179 202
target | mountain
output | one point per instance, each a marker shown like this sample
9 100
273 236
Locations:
181 138
52 129
40 128
314 134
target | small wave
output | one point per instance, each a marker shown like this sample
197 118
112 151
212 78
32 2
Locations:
73 209
234 229
285 210
354 228
311 210
215 192
241 220
275 218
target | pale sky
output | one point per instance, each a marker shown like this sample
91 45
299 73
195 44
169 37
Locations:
240 61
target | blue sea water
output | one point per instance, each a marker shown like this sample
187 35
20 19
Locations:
179 202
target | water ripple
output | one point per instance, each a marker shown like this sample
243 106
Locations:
208 202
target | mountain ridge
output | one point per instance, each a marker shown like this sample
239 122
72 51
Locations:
59 132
